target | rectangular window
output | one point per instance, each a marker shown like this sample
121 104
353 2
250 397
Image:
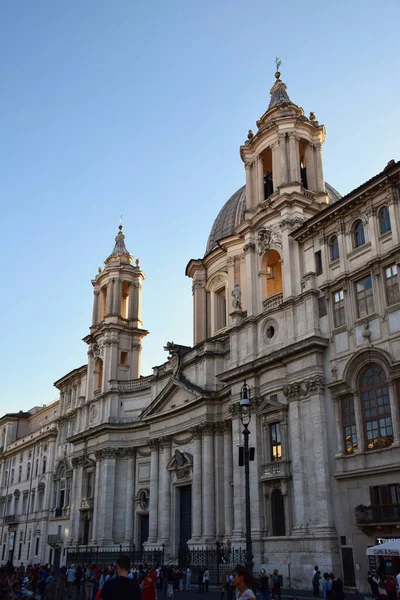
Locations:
322 307
392 285
275 439
220 309
349 425
37 546
19 551
318 262
338 308
29 551
364 297
124 358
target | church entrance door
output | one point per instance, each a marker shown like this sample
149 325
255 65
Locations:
185 519
144 529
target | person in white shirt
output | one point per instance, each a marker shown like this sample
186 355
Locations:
188 577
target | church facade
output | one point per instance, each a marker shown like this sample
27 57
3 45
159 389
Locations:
298 294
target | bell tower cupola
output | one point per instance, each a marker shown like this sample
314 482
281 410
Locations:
116 334
284 156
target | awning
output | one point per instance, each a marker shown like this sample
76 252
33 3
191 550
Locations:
391 548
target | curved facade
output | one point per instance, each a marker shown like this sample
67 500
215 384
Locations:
296 302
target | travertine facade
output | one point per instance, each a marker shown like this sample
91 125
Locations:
298 293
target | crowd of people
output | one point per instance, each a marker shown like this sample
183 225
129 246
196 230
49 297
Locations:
384 587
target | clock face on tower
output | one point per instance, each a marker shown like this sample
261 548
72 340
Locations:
179 458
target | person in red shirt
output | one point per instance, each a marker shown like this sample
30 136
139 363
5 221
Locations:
149 585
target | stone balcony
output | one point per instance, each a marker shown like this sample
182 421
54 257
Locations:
60 513
273 302
87 504
10 519
277 469
54 539
377 515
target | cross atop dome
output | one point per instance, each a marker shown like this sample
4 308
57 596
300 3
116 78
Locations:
278 90
120 250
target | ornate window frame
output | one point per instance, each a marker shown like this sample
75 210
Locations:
219 314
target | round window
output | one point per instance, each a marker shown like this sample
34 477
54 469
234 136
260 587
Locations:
270 332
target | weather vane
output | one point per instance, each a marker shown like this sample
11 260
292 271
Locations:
278 63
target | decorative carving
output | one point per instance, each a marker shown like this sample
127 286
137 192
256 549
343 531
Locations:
182 473
93 412
304 388
249 247
174 357
105 453
196 431
236 297
292 221
234 409
144 499
97 350
266 236
154 444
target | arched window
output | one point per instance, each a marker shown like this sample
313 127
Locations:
44 464
271 273
334 248
384 220
20 474
28 471
278 513
12 477
358 234
375 403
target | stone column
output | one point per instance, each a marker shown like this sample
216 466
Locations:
249 188
153 508
228 480
260 179
238 477
251 276
394 409
164 497
318 486
319 172
294 158
341 232
394 222
219 478
130 485
96 501
276 175
77 488
309 155
133 304
106 505
299 472
283 158
199 310
339 430
109 299
208 484
359 422
197 486
95 314
116 310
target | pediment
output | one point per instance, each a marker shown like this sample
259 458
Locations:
171 398
267 406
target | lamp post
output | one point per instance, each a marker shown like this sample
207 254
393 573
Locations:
245 417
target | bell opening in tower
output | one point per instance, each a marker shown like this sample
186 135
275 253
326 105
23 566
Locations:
268 183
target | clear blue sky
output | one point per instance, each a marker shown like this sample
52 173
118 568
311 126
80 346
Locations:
139 108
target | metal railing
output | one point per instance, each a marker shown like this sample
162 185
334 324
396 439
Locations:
378 513
109 556
54 539
10 519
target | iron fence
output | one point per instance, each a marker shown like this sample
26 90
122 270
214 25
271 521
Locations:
105 556
216 560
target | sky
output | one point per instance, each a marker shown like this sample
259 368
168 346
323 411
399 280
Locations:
139 108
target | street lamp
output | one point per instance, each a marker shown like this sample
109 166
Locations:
245 417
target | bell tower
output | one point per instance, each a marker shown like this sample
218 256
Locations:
116 334
284 156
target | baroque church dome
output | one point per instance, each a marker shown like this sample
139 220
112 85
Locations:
231 215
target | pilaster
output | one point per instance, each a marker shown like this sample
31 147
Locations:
154 476
208 484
